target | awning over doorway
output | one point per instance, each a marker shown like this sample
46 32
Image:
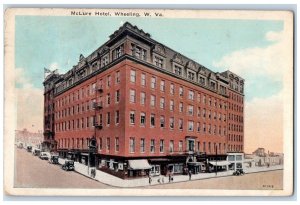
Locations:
139 164
219 163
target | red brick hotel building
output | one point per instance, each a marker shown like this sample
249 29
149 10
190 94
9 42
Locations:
135 106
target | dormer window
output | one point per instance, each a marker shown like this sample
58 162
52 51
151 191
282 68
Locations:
191 75
139 52
158 62
104 61
212 85
178 70
118 52
202 80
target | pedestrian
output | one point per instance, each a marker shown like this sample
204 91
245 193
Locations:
190 175
150 179
170 178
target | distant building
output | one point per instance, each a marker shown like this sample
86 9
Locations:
146 107
259 152
260 158
27 138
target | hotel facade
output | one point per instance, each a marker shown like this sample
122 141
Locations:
135 107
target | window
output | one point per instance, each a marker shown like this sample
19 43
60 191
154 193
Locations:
180 124
202 80
180 146
117 117
181 107
162 121
204 112
191 75
162 86
152 100
171 146
107 144
212 85
118 52
177 70
152 120
204 128
158 62
191 95
132 76
198 127
152 146
198 112
162 103
108 81
139 52
161 146
190 125
181 91
143 98
142 145
171 122
191 110
117 77
153 82
117 146
108 118
143 79
132 96
132 117
198 146
204 146
172 89
104 60
131 145
143 119
117 96
171 105
108 99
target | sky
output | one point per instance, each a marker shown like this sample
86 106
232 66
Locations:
250 48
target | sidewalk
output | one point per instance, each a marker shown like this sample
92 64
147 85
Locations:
140 182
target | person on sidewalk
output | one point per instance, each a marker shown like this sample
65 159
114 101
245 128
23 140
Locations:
190 174
170 178
150 179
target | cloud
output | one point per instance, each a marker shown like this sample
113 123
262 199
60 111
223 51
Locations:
263 115
29 103
268 61
264 123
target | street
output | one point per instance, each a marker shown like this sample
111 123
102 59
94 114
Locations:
33 172
256 181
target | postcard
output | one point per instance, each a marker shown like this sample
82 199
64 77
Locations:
139 102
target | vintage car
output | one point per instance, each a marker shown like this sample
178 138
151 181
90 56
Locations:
53 159
68 165
44 156
36 152
29 148
239 172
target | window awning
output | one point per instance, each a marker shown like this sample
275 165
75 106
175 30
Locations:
139 164
220 163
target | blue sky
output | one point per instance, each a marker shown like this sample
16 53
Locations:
42 41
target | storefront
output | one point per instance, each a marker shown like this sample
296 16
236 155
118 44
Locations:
138 168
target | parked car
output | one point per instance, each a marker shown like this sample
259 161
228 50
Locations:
36 152
53 159
20 145
239 172
29 148
68 165
44 156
